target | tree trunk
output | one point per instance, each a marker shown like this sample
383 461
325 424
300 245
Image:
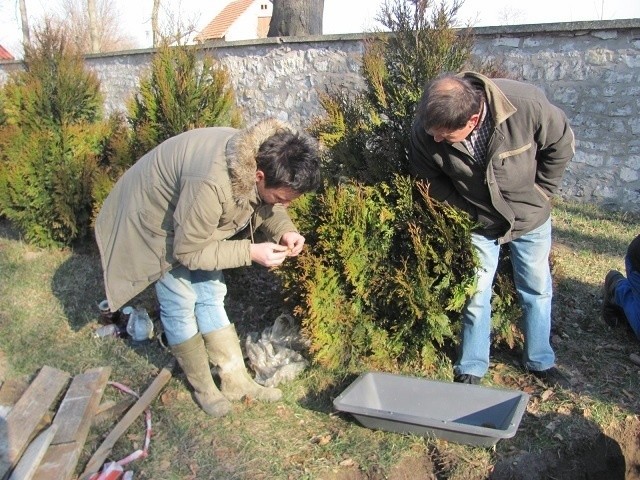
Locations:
26 38
294 18
155 25
93 26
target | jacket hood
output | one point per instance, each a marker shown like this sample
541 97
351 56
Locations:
241 153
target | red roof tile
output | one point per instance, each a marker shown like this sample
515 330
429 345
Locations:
218 27
4 54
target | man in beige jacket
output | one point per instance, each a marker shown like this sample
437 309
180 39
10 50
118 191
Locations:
172 219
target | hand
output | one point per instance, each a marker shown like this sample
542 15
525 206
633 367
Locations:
294 243
268 254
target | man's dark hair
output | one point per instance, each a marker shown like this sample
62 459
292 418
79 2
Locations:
448 102
290 159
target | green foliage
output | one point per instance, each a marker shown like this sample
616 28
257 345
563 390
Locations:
181 92
383 277
388 269
369 133
50 141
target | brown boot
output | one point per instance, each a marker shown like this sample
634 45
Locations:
192 357
224 351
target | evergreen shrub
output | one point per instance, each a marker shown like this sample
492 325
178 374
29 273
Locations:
383 276
388 269
182 91
51 137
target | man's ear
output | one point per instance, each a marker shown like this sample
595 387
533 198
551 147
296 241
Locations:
259 175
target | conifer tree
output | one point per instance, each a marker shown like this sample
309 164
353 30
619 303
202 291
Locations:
51 137
388 269
182 91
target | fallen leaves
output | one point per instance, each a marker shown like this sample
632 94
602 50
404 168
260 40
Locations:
546 395
321 439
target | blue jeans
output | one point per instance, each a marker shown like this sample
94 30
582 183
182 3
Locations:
627 296
532 276
191 301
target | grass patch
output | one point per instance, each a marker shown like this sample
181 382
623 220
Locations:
48 312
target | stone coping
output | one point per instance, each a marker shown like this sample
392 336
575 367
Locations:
630 23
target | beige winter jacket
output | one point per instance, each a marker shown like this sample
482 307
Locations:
180 204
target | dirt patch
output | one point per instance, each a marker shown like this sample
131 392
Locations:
602 456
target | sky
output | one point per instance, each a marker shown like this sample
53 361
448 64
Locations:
340 16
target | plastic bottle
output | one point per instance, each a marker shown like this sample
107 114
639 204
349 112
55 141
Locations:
139 326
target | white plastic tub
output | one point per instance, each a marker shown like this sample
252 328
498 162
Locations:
461 413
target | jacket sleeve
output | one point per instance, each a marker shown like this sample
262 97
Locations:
556 146
196 220
425 168
276 222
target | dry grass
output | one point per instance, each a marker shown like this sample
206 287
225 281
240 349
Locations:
48 313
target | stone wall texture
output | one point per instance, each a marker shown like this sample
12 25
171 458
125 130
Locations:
589 69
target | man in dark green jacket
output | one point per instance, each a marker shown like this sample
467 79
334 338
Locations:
497 149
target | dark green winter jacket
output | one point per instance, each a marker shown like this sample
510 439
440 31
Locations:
527 154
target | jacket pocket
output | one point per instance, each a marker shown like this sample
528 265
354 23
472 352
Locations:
159 241
513 153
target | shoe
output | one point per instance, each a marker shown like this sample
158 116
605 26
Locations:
466 378
552 377
612 314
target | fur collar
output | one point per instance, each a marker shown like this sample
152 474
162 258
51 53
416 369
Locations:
241 156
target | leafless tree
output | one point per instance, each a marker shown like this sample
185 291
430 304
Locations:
293 18
26 38
169 26
93 25
510 16
155 22
104 33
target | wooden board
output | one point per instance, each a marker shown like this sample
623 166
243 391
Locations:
109 412
104 450
73 421
24 417
33 455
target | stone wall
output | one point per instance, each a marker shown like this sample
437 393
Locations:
590 69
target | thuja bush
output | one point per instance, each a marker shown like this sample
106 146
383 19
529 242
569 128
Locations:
368 133
388 269
183 90
51 139
383 282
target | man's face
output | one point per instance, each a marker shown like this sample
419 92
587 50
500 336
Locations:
454 136
283 195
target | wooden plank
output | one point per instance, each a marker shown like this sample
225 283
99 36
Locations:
23 419
74 421
111 411
58 461
104 450
33 455
79 405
